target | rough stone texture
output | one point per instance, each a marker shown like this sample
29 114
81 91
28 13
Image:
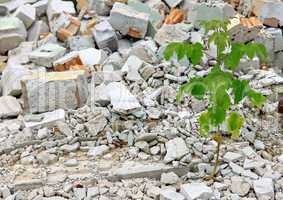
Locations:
48 119
26 13
36 29
12 33
128 21
131 68
264 188
239 186
196 191
170 195
172 33
267 9
56 7
9 107
47 54
176 149
205 12
49 91
105 36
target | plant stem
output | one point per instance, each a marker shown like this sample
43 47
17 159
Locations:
218 139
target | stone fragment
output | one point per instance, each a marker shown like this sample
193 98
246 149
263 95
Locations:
11 79
80 193
64 128
56 7
155 17
169 178
176 149
267 9
173 33
49 119
98 151
239 186
49 91
40 7
80 60
131 68
173 3
170 195
12 33
231 157
206 12
121 98
175 16
47 54
38 28
264 188
46 158
143 145
280 158
128 21
96 125
65 26
148 137
244 29
194 191
26 13
105 36
9 107
80 42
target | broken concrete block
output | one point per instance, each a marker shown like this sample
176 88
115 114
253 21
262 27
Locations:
47 119
131 68
268 9
9 107
129 21
105 36
56 7
80 42
194 191
49 91
3 10
244 29
36 30
173 33
176 149
40 7
19 55
100 7
47 38
155 18
170 195
205 12
12 33
80 59
276 34
11 79
26 13
121 99
68 27
47 54
145 50
173 3
175 16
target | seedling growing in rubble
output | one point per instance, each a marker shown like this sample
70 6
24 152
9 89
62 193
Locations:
221 87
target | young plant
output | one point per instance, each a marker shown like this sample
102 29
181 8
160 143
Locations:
221 86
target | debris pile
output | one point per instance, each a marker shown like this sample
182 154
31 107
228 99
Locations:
88 103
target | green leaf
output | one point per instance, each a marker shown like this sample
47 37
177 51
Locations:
169 51
222 99
196 87
204 122
240 88
217 78
196 54
234 57
256 98
234 124
217 115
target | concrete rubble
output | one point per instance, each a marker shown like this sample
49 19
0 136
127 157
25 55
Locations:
88 108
